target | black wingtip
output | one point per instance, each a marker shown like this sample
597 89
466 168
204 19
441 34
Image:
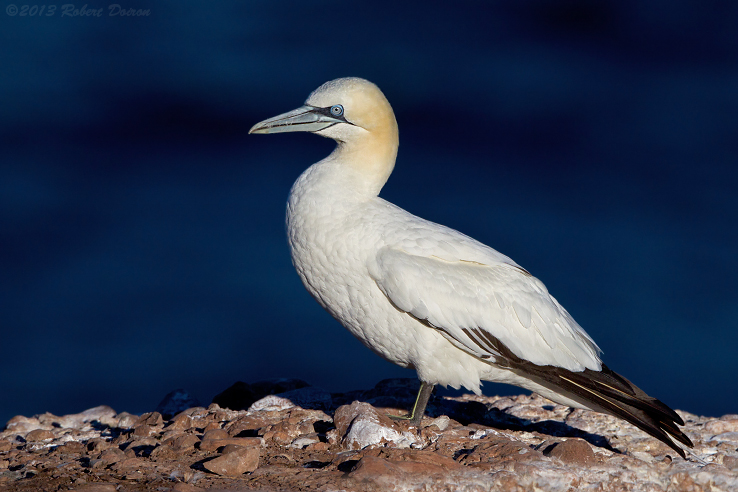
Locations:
616 395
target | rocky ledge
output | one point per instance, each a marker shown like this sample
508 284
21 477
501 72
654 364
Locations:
285 435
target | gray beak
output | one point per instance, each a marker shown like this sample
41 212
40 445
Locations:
304 119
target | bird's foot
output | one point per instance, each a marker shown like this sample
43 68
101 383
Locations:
412 420
416 416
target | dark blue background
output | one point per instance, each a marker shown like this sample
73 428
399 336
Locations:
142 238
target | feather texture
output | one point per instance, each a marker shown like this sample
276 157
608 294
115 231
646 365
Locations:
425 296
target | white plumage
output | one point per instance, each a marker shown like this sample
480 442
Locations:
419 294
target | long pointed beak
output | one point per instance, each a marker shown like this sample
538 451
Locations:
304 119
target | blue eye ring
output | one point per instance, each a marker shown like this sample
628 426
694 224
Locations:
337 110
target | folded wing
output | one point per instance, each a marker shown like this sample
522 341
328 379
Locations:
479 306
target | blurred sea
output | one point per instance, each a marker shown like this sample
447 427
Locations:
142 243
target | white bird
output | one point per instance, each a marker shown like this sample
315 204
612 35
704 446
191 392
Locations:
425 296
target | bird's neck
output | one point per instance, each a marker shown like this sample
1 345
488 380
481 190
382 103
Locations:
367 162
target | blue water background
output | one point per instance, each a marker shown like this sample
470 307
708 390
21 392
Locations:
142 244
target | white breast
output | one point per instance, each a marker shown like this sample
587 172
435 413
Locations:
340 242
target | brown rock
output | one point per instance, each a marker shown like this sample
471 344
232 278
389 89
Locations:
247 423
319 446
235 463
215 444
181 422
95 487
493 450
171 434
112 455
406 466
126 420
127 465
97 445
682 482
575 451
370 467
730 462
183 443
215 434
151 418
39 435
5 446
140 447
23 425
211 426
230 448
72 447
186 487
144 430
720 426
163 452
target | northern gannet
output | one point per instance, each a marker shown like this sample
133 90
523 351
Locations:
425 296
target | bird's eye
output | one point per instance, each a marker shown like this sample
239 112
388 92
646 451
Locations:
337 110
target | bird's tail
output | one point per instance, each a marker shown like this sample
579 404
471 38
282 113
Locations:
611 393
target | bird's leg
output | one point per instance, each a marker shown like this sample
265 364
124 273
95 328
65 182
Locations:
424 394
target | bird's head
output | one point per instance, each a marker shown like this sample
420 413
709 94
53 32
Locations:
346 110
355 113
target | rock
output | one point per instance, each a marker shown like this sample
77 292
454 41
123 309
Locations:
241 396
724 437
112 455
125 420
417 471
163 452
497 450
271 403
97 445
181 422
360 425
215 434
82 421
127 465
722 425
211 445
95 487
441 423
72 447
305 441
730 462
142 446
575 451
283 427
176 402
39 435
247 425
144 430
183 443
237 462
511 443
23 425
185 487
151 418
102 414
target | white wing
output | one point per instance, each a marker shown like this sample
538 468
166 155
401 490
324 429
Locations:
471 302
